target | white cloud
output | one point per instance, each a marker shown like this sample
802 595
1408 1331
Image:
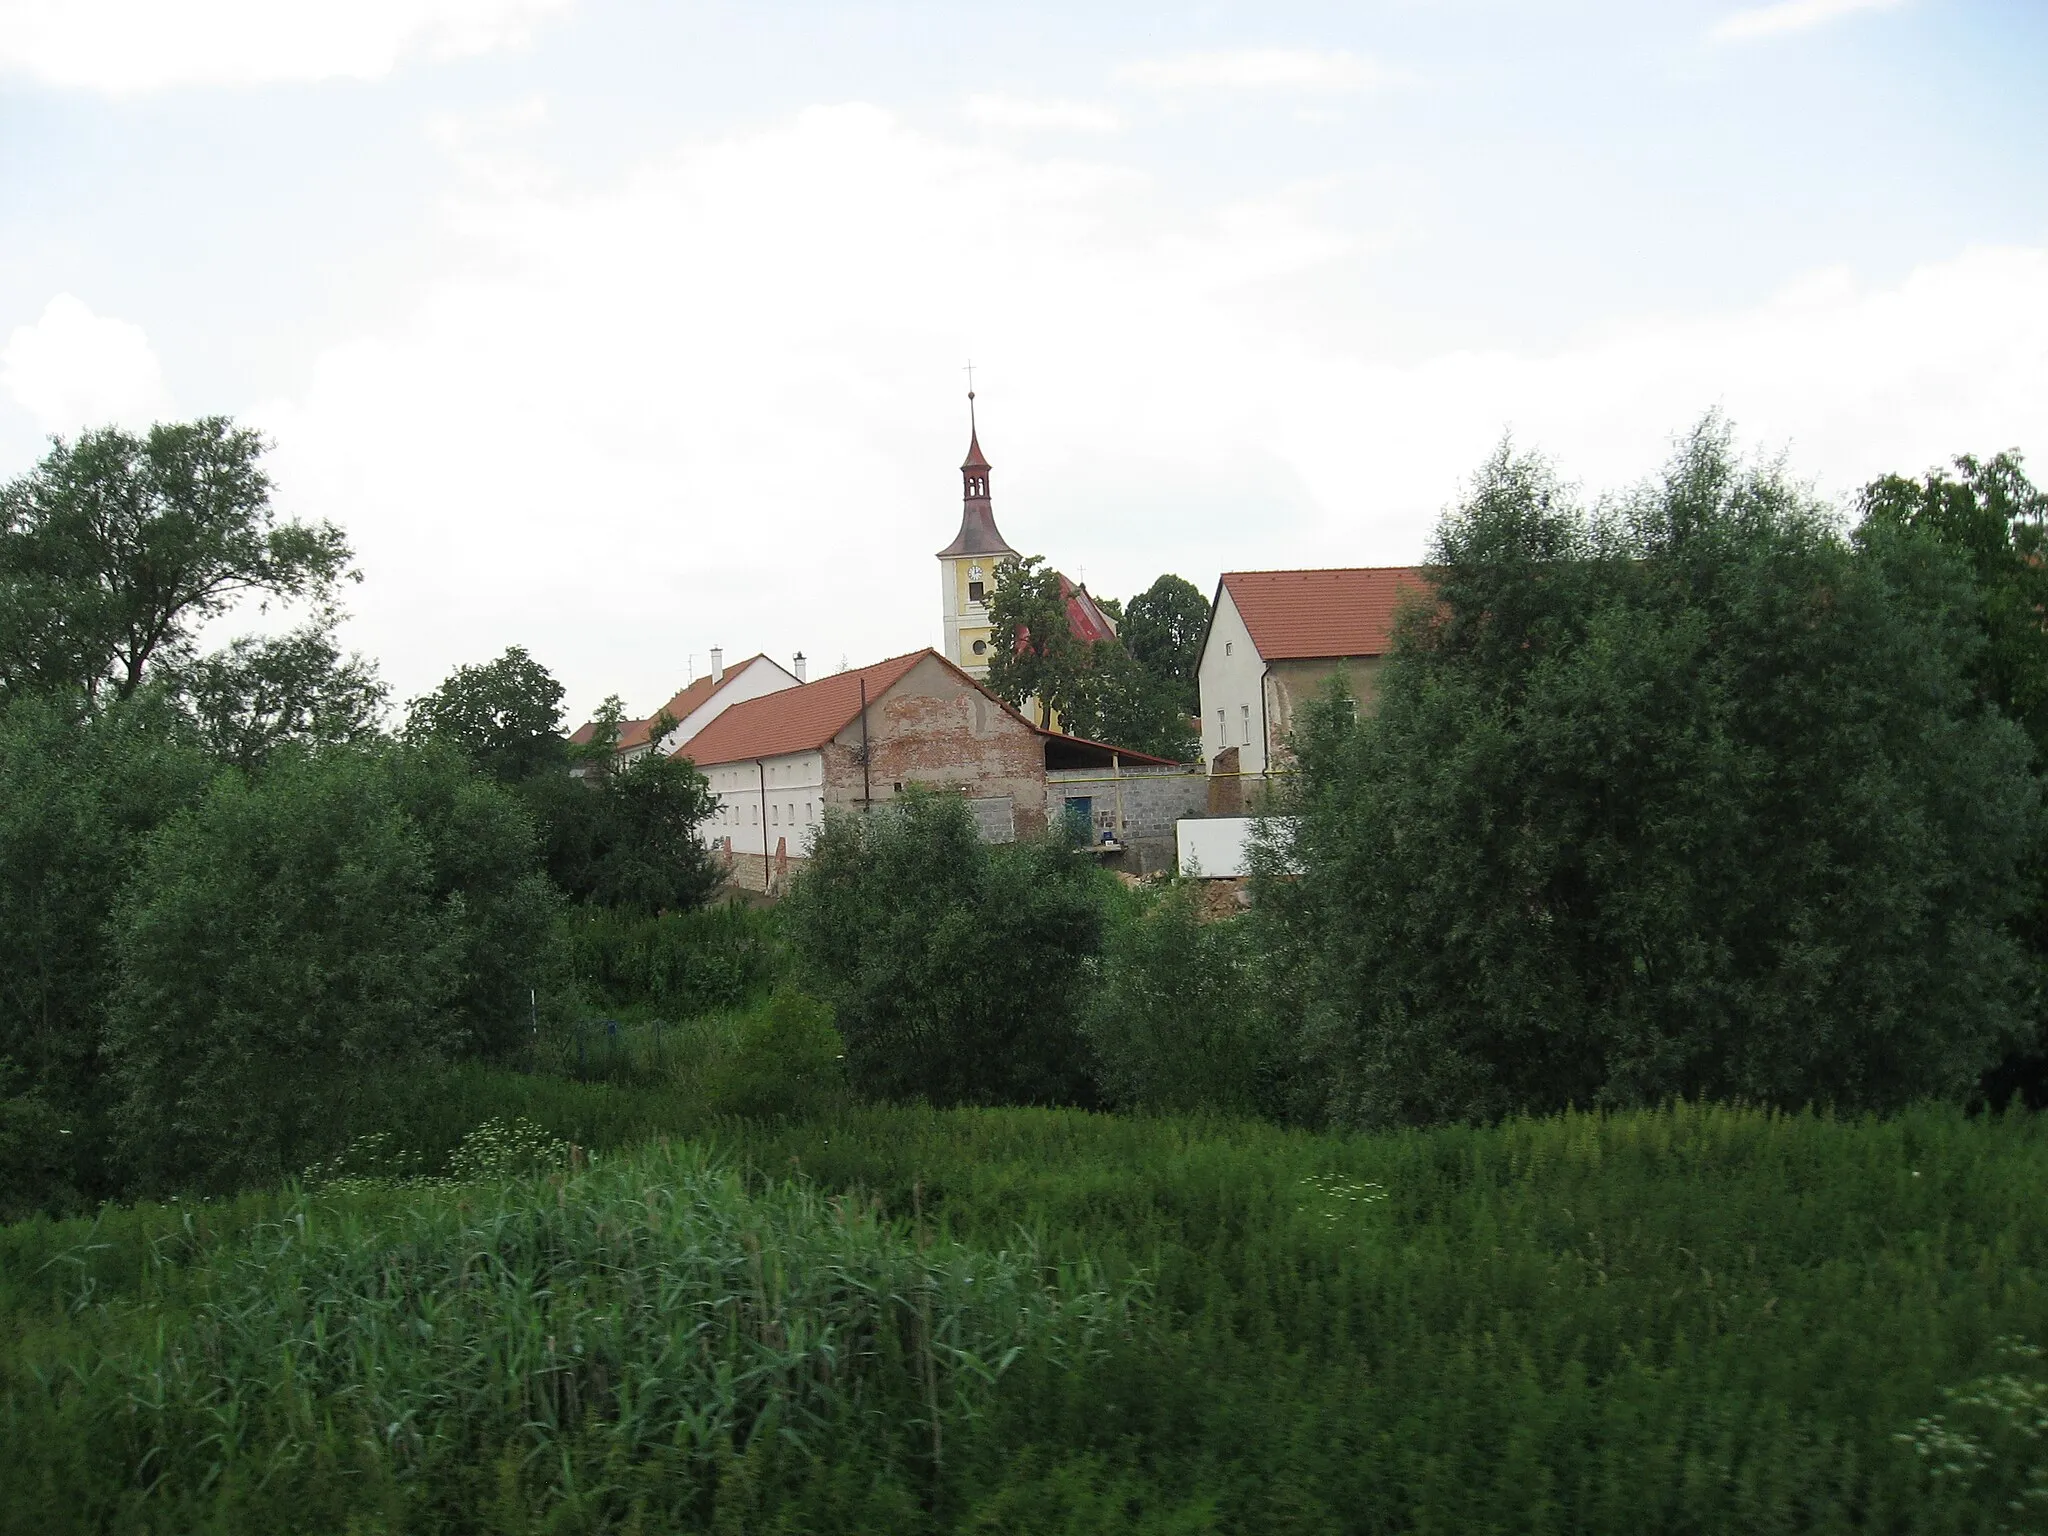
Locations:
1256 69
718 402
73 369
122 47
1030 116
1790 16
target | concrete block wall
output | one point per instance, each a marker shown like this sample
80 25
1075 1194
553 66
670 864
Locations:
1153 799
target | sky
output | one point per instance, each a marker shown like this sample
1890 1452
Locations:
621 330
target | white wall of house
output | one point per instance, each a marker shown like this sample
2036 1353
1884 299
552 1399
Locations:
762 678
1232 680
788 810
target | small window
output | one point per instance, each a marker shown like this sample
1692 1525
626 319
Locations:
807 813
1222 735
981 647
753 815
1246 711
775 815
791 808
976 592
1226 646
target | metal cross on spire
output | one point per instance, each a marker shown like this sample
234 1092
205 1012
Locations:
970 395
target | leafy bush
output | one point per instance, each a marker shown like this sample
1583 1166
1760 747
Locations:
679 963
786 1059
294 935
1684 797
1178 1023
957 972
80 793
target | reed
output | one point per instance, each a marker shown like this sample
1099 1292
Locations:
1696 1319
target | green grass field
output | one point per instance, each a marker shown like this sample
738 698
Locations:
1701 1319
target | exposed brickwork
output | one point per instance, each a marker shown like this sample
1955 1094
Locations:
934 728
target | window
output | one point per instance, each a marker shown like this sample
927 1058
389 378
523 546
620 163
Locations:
1222 735
1246 711
1227 645
807 813
981 647
753 815
775 815
791 808
976 592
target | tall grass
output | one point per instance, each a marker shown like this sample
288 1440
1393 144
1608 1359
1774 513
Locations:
611 1337
1698 1319
679 964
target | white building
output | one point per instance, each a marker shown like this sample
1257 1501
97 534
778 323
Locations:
1275 638
700 703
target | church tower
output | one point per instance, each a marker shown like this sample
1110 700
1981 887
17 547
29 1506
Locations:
967 566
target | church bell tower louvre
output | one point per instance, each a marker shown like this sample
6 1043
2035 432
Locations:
967 566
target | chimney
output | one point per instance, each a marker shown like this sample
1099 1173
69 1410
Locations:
717 665
800 676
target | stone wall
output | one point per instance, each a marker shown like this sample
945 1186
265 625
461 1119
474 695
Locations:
1152 799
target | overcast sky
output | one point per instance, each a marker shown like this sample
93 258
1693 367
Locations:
621 330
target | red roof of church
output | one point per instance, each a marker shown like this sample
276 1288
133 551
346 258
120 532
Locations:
800 719
974 455
1084 616
1296 614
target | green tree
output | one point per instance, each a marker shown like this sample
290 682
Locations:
1118 701
1686 797
1034 652
1991 514
115 548
259 695
1163 631
80 794
506 714
956 971
294 936
625 834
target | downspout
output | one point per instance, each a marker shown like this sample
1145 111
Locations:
1265 730
763 770
867 791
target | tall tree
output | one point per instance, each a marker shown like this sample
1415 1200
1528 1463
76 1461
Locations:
1034 652
1686 797
261 694
506 714
1162 628
115 548
1991 514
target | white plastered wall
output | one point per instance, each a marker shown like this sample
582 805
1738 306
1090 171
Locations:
1232 680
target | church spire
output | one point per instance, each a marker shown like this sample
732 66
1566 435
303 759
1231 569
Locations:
978 534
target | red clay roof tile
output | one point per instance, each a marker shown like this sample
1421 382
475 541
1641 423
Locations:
1299 614
800 719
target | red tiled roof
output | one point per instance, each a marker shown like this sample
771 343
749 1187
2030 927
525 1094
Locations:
1294 614
1088 621
633 733
798 719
